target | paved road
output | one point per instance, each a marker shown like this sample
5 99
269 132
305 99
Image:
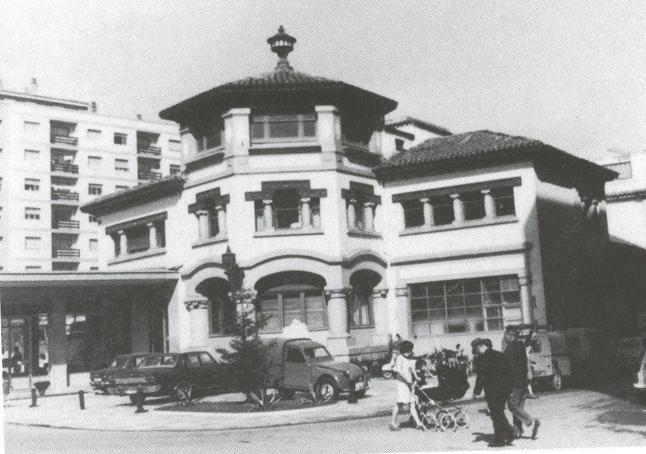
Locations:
571 419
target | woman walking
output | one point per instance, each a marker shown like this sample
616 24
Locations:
404 370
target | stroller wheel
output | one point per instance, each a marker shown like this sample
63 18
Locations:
461 418
446 421
429 421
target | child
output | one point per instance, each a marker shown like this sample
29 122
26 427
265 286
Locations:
404 369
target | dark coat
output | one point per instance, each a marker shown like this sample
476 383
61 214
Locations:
494 376
517 357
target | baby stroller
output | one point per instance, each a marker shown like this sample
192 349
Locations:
450 384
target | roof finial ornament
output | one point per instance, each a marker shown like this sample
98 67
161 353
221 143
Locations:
282 44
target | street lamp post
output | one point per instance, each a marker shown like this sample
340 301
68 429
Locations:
243 298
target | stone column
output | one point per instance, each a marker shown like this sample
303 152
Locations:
236 131
458 209
57 347
328 129
352 218
268 215
429 220
222 220
337 314
123 243
152 235
199 311
380 313
489 204
306 213
526 298
368 216
202 223
404 313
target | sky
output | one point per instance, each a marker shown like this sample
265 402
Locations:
569 73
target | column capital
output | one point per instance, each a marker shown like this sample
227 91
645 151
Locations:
306 199
121 232
380 292
337 293
352 201
150 224
267 201
485 191
199 213
455 196
368 204
219 208
401 291
425 200
196 304
524 280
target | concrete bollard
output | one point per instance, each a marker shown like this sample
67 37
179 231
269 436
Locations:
82 399
352 394
34 398
139 398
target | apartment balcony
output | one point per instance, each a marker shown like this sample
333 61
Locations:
63 140
62 197
66 225
149 150
65 169
149 176
66 255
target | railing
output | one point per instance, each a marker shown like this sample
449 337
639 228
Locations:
58 194
58 253
64 167
66 224
149 175
67 140
149 150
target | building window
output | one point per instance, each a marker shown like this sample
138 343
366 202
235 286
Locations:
175 169
95 189
286 209
120 187
504 199
32 242
93 219
33 267
32 213
208 137
473 203
31 156
121 165
279 307
94 245
93 134
462 306
175 145
360 314
283 127
31 128
120 138
413 213
94 162
399 144
443 210
221 315
32 184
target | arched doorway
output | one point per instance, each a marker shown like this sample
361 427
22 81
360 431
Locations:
291 295
221 309
360 304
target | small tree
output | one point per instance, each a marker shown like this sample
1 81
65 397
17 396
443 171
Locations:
247 358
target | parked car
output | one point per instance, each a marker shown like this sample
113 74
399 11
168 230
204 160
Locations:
305 365
99 378
628 353
170 374
548 354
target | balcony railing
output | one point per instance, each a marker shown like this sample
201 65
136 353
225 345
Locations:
149 175
65 140
66 224
149 150
64 167
66 253
58 194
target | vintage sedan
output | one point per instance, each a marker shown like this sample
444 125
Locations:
99 378
305 365
176 375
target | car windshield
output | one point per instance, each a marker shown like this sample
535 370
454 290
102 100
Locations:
318 353
159 361
119 362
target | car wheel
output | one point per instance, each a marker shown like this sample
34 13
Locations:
326 390
557 380
387 374
361 393
183 392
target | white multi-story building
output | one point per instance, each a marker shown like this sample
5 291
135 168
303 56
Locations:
58 154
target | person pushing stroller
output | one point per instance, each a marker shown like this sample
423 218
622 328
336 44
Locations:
404 370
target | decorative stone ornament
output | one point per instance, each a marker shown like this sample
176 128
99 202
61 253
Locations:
337 293
282 44
196 304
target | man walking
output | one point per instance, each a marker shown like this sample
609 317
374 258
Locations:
493 377
517 358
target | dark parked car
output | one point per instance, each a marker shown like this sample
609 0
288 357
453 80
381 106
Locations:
99 378
170 374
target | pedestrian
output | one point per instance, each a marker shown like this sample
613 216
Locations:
517 358
404 370
494 379
530 373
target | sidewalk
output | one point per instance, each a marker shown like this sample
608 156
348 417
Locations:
116 413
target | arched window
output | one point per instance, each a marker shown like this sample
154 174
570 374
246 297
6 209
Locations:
360 310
